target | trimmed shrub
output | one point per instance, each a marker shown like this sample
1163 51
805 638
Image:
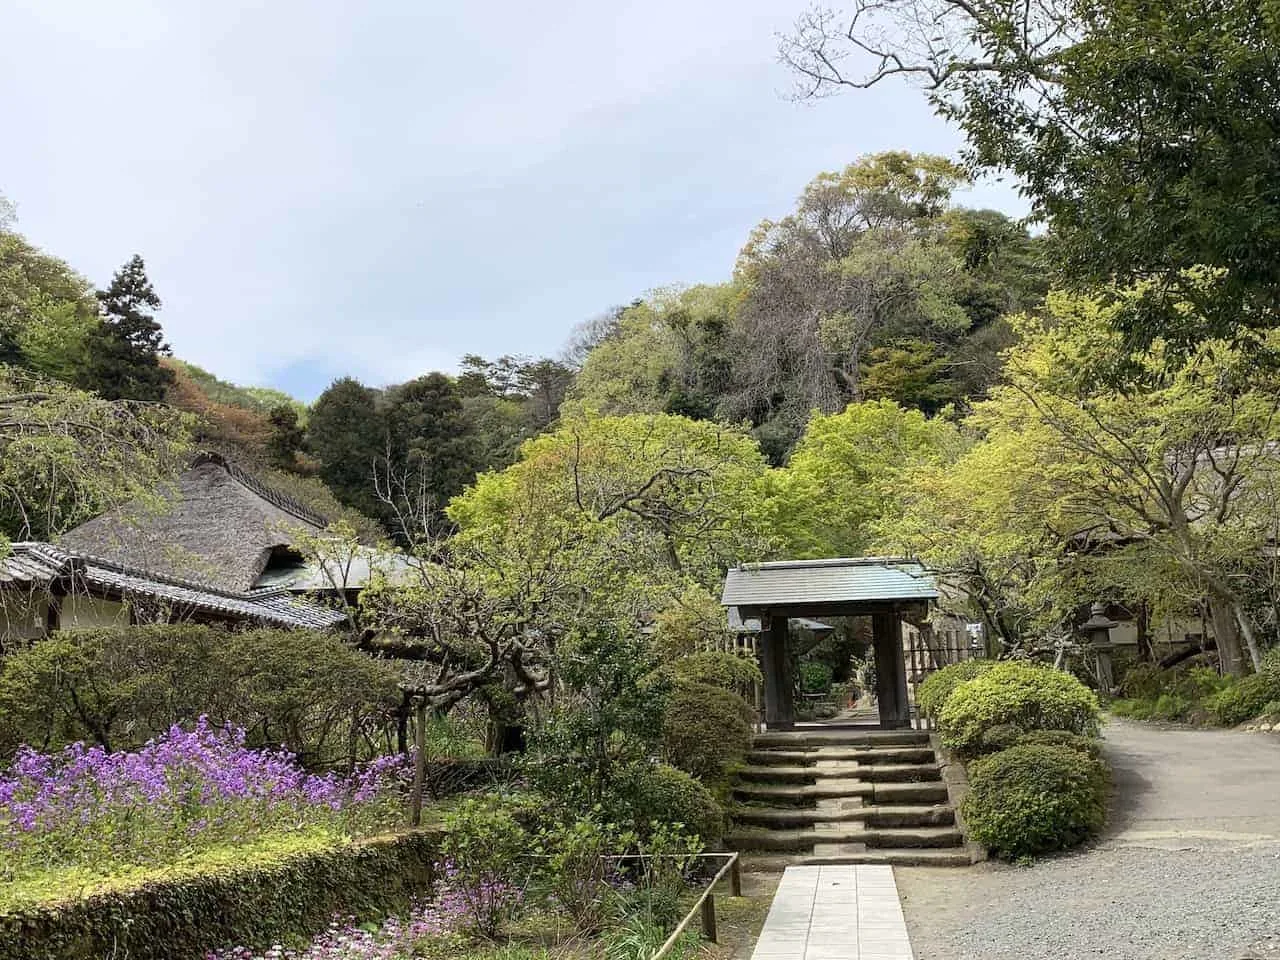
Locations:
664 795
1089 746
706 730
718 669
1024 695
815 676
1246 698
256 902
937 687
1034 799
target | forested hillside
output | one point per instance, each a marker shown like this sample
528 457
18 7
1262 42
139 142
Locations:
877 286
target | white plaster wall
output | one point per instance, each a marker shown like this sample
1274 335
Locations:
79 612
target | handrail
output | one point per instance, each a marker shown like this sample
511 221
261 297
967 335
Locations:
706 904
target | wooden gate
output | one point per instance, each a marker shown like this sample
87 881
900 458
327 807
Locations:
928 650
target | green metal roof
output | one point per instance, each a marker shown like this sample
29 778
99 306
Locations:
841 580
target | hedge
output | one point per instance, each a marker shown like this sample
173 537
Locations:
937 687
256 903
706 730
1019 694
1247 698
1034 799
663 794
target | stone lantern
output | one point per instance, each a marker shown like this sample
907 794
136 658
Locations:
1097 631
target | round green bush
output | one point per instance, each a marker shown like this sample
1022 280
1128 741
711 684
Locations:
1090 746
1024 695
1246 698
706 730
662 794
937 687
719 669
815 677
1033 799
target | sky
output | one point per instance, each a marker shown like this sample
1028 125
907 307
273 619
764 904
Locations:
377 188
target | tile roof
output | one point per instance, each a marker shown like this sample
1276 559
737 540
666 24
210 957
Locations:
841 580
41 564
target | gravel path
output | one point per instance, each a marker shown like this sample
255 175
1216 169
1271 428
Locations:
1189 870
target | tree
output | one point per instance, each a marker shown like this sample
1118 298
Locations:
125 352
1079 490
1143 135
863 262
48 313
636 506
848 472
287 435
348 435
67 455
428 438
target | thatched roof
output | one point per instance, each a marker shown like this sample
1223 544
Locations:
216 525
43 566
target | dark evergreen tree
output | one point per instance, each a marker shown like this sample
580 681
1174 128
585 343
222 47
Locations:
346 433
431 438
10 352
286 436
124 354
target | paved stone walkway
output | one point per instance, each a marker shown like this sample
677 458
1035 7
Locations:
835 913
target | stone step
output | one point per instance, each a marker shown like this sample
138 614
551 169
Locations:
849 738
802 793
876 773
799 794
920 815
866 755
917 857
927 791
826 835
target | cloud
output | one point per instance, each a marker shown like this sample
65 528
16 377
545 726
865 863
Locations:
378 188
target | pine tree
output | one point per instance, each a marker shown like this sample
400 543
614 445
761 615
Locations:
125 357
346 433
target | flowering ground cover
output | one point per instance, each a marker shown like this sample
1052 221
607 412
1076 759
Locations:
82 815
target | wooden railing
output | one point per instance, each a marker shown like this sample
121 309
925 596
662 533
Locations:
705 906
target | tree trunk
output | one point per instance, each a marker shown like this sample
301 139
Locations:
1146 652
419 763
1226 633
1250 638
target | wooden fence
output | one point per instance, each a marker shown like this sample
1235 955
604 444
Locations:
929 650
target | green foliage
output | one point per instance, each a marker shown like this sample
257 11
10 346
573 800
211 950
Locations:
938 686
67 456
693 621
124 350
1184 693
346 433
815 676
1035 798
1021 694
48 313
1089 746
1142 681
610 718
848 472
634 508
429 439
121 687
659 794
575 870
488 849
706 730
278 889
1246 698
729 671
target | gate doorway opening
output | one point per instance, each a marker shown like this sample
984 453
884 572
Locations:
890 591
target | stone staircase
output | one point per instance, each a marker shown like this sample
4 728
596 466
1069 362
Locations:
840 796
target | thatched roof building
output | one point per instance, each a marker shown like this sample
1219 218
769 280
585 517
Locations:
215 525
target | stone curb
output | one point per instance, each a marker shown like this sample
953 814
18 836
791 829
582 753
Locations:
957 781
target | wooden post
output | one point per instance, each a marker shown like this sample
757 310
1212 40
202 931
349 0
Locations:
735 878
709 917
891 671
420 762
779 705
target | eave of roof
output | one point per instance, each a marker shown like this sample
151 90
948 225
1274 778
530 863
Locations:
40 565
844 580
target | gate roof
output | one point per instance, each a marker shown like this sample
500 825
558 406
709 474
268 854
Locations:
845 581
